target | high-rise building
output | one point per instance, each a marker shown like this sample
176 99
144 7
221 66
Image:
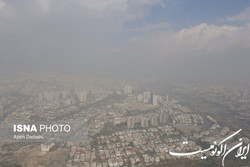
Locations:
130 122
140 97
146 96
82 96
144 122
155 100
49 96
162 118
128 90
154 121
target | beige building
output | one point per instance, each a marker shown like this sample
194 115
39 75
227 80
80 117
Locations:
130 122
47 147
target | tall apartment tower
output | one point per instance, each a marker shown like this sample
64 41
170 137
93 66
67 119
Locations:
154 121
144 122
128 90
130 122
82 96
146 96
140 97
155 100
162 118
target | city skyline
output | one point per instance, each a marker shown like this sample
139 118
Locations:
112 83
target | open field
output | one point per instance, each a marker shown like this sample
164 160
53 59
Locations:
188 128
31 155
224 117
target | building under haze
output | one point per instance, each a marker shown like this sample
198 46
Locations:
144 122
140 97
155 100
147 96
127 90
130 122
154 121
162 118
82 96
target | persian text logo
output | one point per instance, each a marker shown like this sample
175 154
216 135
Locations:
220 149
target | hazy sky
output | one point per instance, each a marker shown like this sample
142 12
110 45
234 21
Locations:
196 38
